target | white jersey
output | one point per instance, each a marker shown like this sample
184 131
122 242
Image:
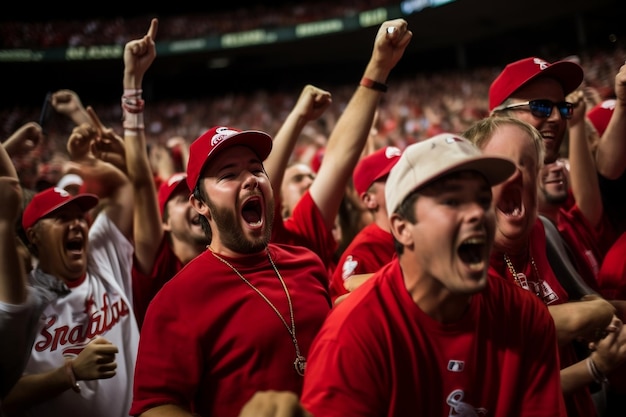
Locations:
101 305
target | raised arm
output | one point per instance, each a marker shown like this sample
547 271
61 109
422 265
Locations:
12 273
147 229
13 282
349 136
99 177
177 145
611 151
311 104
68 103
23 140
584 182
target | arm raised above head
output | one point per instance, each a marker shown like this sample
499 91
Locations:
611 151
350 134
12 273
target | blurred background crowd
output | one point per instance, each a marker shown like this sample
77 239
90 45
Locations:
440 87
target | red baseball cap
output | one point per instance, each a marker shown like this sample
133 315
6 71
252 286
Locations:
600 115
518 73
51 199
374 167
219 138
167 188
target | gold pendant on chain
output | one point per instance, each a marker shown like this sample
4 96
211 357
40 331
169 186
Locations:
300 364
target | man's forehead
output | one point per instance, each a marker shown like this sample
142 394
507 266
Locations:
298 169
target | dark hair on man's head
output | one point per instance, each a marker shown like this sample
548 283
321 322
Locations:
406 210
200 194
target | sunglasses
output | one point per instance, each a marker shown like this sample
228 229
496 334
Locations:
542 108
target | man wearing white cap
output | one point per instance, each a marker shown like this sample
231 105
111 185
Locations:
430 334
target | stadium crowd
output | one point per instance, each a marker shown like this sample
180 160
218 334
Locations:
175 254
416 107
56 33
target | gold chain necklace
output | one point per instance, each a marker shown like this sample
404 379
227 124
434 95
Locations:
300 362
521 281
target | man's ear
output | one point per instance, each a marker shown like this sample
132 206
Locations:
401 230
31 234
200 206
165 224
369 201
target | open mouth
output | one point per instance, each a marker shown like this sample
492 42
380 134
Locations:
472 251
510 203
252 212
74 244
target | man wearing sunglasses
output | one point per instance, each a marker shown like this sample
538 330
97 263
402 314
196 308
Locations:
531 89
544 95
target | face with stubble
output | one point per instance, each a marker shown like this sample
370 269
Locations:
239 201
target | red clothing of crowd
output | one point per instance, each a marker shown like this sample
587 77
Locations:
378 353
547 288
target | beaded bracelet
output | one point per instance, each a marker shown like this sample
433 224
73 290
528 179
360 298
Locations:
133 92
132 104
132 107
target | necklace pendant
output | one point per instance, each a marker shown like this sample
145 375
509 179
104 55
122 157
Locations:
300 364
522 281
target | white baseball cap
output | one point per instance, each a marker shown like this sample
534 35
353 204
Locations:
440 155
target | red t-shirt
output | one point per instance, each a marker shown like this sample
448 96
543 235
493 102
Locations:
306 227
209 341
612 278
547 288
370 249
145 287
612 274
378 354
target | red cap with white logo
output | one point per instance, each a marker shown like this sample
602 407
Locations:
218 138
51 199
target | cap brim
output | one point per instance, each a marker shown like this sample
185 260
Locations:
165 198
85 201
568 73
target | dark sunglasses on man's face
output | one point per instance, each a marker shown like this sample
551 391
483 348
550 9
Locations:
542 108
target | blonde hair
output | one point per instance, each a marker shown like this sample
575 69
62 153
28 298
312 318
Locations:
481 132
